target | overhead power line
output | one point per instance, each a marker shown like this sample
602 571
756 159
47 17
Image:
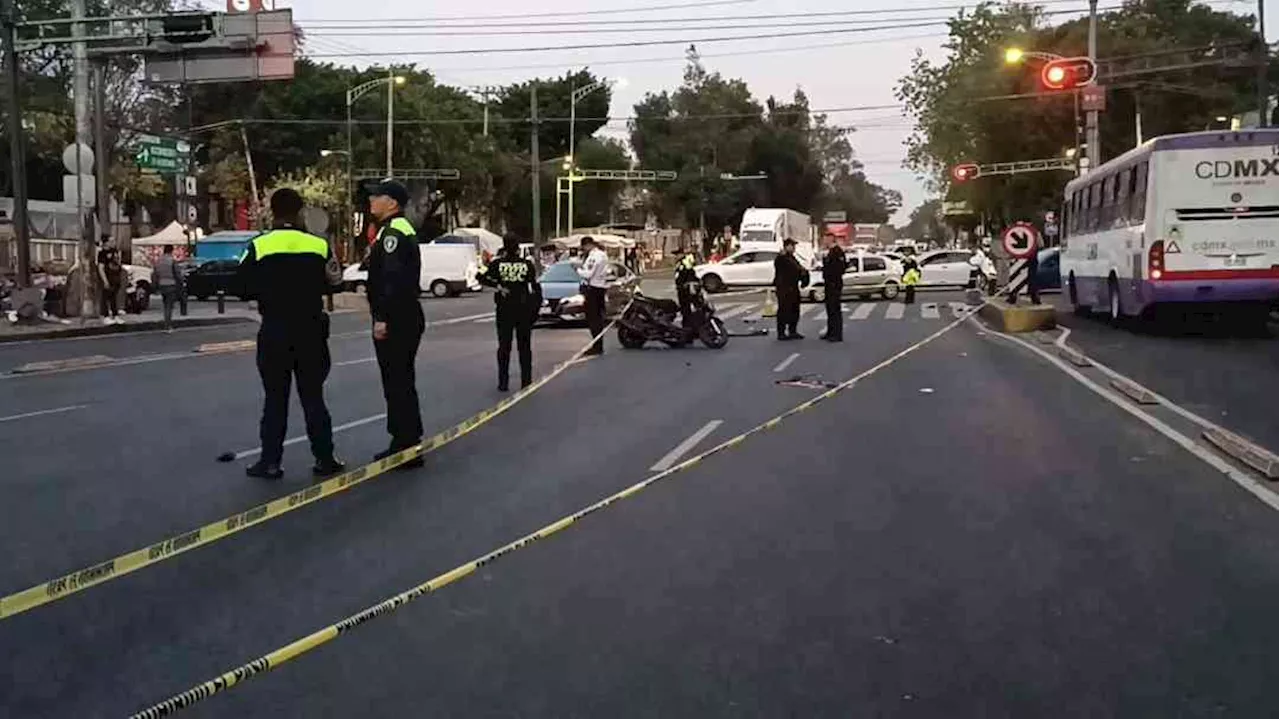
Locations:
479 20
412 31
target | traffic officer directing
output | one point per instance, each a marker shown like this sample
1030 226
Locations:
398 323
285 269
833 269
517 301
685 274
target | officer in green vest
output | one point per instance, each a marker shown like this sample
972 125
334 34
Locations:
685 274
288 271
398 323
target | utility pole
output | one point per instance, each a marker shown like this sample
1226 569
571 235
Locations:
18 162
254 207
535 165
1262 67
102 153
80 97
1091 117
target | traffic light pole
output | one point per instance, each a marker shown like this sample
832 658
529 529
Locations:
1092 142
21 229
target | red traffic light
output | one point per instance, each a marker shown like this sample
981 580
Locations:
967 171
1068 73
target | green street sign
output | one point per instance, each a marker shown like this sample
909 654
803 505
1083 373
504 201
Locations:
162 154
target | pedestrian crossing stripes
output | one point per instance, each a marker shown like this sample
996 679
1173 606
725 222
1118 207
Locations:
859 311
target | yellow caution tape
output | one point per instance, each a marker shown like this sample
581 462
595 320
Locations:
111 569
296 648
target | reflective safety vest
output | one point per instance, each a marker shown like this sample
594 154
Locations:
287 242
686 263
911 277
399 224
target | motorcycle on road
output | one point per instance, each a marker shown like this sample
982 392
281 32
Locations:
649 319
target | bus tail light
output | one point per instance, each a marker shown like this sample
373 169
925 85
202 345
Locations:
1155 260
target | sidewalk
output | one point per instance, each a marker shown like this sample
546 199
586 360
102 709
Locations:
199 314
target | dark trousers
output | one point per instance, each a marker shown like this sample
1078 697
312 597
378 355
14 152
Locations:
909 295
516 321
396 357
685 300
298 350
835 312
594 297
109 303
168 297
788 311
1031 290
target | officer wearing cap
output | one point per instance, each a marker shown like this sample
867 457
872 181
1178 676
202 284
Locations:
685 274
518 299
286 270
398 323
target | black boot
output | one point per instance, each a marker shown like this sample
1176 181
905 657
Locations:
264 470
327 467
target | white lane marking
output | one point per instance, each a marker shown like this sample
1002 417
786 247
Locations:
483 321
862 311
1254 487
733 309
39 413
294 440
808 309
683 448
786 362
929 311
486 316
362 360
896 311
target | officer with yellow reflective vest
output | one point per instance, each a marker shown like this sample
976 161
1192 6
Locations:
910 278
289 271
517 302
398 323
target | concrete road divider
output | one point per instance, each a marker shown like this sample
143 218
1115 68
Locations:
1137 393
1075 357
63 364
229 346
1243 451
1011 319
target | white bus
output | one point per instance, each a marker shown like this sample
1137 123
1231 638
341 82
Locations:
1184 218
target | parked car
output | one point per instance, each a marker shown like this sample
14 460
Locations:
1048 278
562 299
866 275
207 278
446 270
946 268
744 268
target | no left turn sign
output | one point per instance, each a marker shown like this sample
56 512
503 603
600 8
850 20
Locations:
1020 240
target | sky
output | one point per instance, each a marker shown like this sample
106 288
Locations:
798 43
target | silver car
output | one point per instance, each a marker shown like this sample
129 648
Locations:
866 275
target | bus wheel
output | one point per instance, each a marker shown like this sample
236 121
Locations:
1114 312
1074 296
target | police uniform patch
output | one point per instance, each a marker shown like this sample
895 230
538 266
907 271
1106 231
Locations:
389 243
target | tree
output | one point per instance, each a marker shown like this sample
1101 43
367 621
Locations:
926 222
955 122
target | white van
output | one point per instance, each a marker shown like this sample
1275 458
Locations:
447 271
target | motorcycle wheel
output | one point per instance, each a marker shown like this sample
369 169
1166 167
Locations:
713 334
630 339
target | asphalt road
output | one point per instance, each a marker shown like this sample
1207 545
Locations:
964 532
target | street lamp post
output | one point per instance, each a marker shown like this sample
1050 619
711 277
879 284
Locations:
353 94
577 94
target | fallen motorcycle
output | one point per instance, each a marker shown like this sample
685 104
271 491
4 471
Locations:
654 319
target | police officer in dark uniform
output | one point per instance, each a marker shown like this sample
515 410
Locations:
833 269
286 270
398 323
685 274
517 301
788 276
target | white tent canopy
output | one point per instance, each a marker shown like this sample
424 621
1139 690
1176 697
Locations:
606 241
487 241
173 234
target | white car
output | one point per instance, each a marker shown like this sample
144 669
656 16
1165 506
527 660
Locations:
744 268
946 268
867 274
447 270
